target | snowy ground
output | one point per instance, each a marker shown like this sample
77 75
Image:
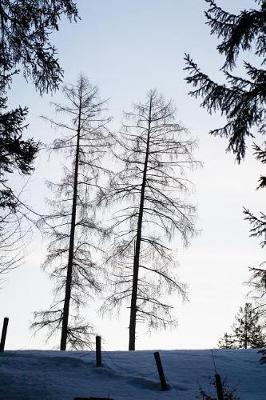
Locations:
41 375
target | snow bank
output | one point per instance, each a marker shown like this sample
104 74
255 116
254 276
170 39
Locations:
53 375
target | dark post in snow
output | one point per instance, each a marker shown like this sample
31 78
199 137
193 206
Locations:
3 337
219 387
164 385
98 352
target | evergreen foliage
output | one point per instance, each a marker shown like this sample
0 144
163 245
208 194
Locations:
246 331
258 222
242 99
227 342
72 226
258 229
15 153
25 30
26 27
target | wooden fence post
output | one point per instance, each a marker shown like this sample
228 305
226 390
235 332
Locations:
98 352
3 337
164 385
219 387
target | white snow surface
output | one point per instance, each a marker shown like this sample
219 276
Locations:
54 375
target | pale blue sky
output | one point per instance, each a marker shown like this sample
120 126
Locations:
127 47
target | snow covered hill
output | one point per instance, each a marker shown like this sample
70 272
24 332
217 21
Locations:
53 375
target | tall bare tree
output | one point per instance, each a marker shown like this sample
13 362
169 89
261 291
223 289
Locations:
72 225
154 152
11 244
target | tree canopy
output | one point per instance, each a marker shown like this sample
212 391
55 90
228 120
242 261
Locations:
71 225
247 330
25 30
154 153
26 27
242 98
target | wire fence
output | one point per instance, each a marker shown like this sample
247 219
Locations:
112 362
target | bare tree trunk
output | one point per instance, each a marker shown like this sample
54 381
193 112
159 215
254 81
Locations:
134 295
245 330
65 318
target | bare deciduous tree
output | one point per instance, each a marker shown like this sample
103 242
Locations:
154 152
10 242
17 221
72 225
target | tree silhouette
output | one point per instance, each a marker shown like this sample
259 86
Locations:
247 331
227 342
258 229
154 152
242 98
25 29
72 225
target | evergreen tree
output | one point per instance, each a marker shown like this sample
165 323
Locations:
146 193
258 285
16 154
72 225
227 342
25 29
246 331
242 99
258 229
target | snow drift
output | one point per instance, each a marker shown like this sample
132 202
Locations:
53 375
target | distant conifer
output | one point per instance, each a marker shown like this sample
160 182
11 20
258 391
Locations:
227 342
247 332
